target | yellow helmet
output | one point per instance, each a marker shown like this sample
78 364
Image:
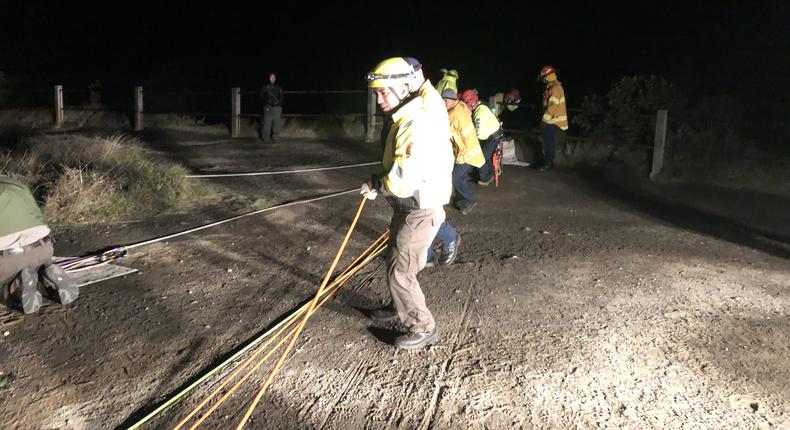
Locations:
390 72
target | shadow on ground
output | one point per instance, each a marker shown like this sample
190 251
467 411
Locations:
627 192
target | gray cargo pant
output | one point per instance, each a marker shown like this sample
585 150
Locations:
411 233
272 122
32 257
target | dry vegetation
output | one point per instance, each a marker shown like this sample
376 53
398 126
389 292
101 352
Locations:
81 178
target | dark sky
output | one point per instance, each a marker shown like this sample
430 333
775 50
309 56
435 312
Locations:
707 47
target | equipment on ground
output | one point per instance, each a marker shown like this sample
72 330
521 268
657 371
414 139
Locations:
496 159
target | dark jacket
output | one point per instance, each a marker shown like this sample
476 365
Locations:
272 95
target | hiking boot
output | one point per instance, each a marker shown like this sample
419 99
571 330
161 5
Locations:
450 252
413 340
546 167
483 183
385 314
23 292
56 284
465 209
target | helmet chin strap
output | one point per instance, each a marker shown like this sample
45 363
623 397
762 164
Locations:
397 94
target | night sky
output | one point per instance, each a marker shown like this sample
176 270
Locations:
709 47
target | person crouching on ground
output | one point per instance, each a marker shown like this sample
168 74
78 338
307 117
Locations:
417 182
26 269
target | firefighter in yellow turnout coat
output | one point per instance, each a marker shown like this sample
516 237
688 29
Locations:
555 115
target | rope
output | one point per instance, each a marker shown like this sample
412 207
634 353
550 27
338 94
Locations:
238 383
350 270
339 281
282 172
89 261
271 208
302 323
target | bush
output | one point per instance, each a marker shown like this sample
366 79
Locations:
89 179
628 114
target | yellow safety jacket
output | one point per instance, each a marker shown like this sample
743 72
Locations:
486 122
448 81
466 146
554 104
498 104
418 156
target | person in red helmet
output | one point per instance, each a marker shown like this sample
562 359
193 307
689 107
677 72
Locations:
489 133
555 115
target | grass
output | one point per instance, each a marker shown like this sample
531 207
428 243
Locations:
83 179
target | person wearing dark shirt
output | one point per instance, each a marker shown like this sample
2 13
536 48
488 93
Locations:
271 120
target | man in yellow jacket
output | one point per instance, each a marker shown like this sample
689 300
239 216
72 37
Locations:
417 182
489 133
468 154
555 115
466 148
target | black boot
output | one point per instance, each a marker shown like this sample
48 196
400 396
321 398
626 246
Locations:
58 285
450 252
22 293
385 314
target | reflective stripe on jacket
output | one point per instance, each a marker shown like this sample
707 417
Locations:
418 156
486 122
463 135
554 104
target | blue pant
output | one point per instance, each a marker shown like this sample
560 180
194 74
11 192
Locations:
549 134
445 235
461 185
489 146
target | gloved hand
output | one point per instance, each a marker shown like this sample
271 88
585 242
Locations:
368 192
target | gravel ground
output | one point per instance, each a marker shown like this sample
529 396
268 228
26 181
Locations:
576 302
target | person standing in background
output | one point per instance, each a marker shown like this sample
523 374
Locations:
555 115
271 120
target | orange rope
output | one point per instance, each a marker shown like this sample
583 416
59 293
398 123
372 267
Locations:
303 322
266 357
263 346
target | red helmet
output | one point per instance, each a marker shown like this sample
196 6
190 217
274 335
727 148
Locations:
469 97
546 71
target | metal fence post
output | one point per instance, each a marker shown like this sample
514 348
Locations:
138 108
59 112
659 143
370 117
235 111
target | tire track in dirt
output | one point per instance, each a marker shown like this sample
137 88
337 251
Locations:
439 381
357 375
393 419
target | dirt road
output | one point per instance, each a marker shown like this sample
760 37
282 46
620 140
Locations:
573 305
